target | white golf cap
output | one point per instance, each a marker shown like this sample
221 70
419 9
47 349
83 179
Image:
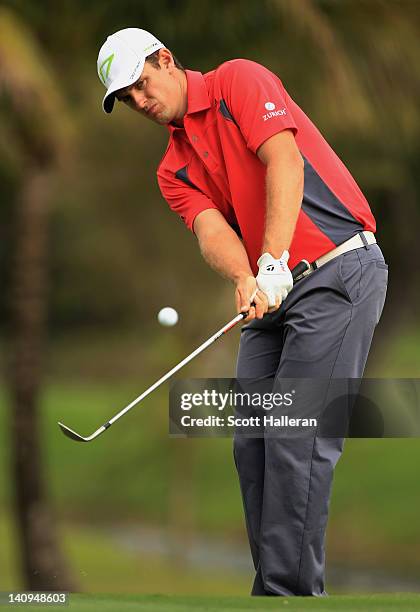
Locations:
121 60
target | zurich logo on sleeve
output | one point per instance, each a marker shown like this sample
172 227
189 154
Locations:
270 107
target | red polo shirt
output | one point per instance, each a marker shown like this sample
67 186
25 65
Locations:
211 162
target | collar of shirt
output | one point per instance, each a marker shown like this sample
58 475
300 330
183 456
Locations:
197 95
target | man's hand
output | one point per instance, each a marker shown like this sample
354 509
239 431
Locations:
247 293
274 279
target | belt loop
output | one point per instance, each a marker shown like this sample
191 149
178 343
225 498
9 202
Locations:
363 239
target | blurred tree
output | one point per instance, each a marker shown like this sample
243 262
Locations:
32 113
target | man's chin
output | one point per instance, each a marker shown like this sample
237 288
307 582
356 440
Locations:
161 120
163 117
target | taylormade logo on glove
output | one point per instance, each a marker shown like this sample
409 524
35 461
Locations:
274 277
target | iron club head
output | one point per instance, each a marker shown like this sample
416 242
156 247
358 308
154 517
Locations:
75 436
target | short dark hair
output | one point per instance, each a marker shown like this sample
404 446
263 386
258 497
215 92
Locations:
154 60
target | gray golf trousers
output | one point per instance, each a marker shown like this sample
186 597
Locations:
324 330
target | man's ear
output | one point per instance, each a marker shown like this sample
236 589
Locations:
165 59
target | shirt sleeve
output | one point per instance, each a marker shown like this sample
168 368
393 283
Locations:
185 200
256 99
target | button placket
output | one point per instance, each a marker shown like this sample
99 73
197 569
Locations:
198 145
201 152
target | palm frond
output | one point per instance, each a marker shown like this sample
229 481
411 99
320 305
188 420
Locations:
31 101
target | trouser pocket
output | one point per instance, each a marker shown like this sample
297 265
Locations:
350 275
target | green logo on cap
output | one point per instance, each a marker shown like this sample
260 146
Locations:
105 67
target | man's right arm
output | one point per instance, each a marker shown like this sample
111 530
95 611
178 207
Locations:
224 252
219 243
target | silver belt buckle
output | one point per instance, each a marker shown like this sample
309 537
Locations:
306 273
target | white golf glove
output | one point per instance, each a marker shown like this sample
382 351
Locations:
274 277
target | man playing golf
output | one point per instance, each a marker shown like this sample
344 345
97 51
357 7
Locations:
254 179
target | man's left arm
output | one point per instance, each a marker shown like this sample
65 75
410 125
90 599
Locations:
284 190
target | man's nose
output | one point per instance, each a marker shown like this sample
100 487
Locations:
139 99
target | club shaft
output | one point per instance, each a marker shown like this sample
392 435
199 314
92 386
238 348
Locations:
296 273
180 365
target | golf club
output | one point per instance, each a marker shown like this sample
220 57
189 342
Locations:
301 267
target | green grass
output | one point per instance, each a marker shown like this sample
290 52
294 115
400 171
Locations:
399 357
137 454
159 603
9 578
96 562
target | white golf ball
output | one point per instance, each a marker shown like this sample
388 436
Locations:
168 316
